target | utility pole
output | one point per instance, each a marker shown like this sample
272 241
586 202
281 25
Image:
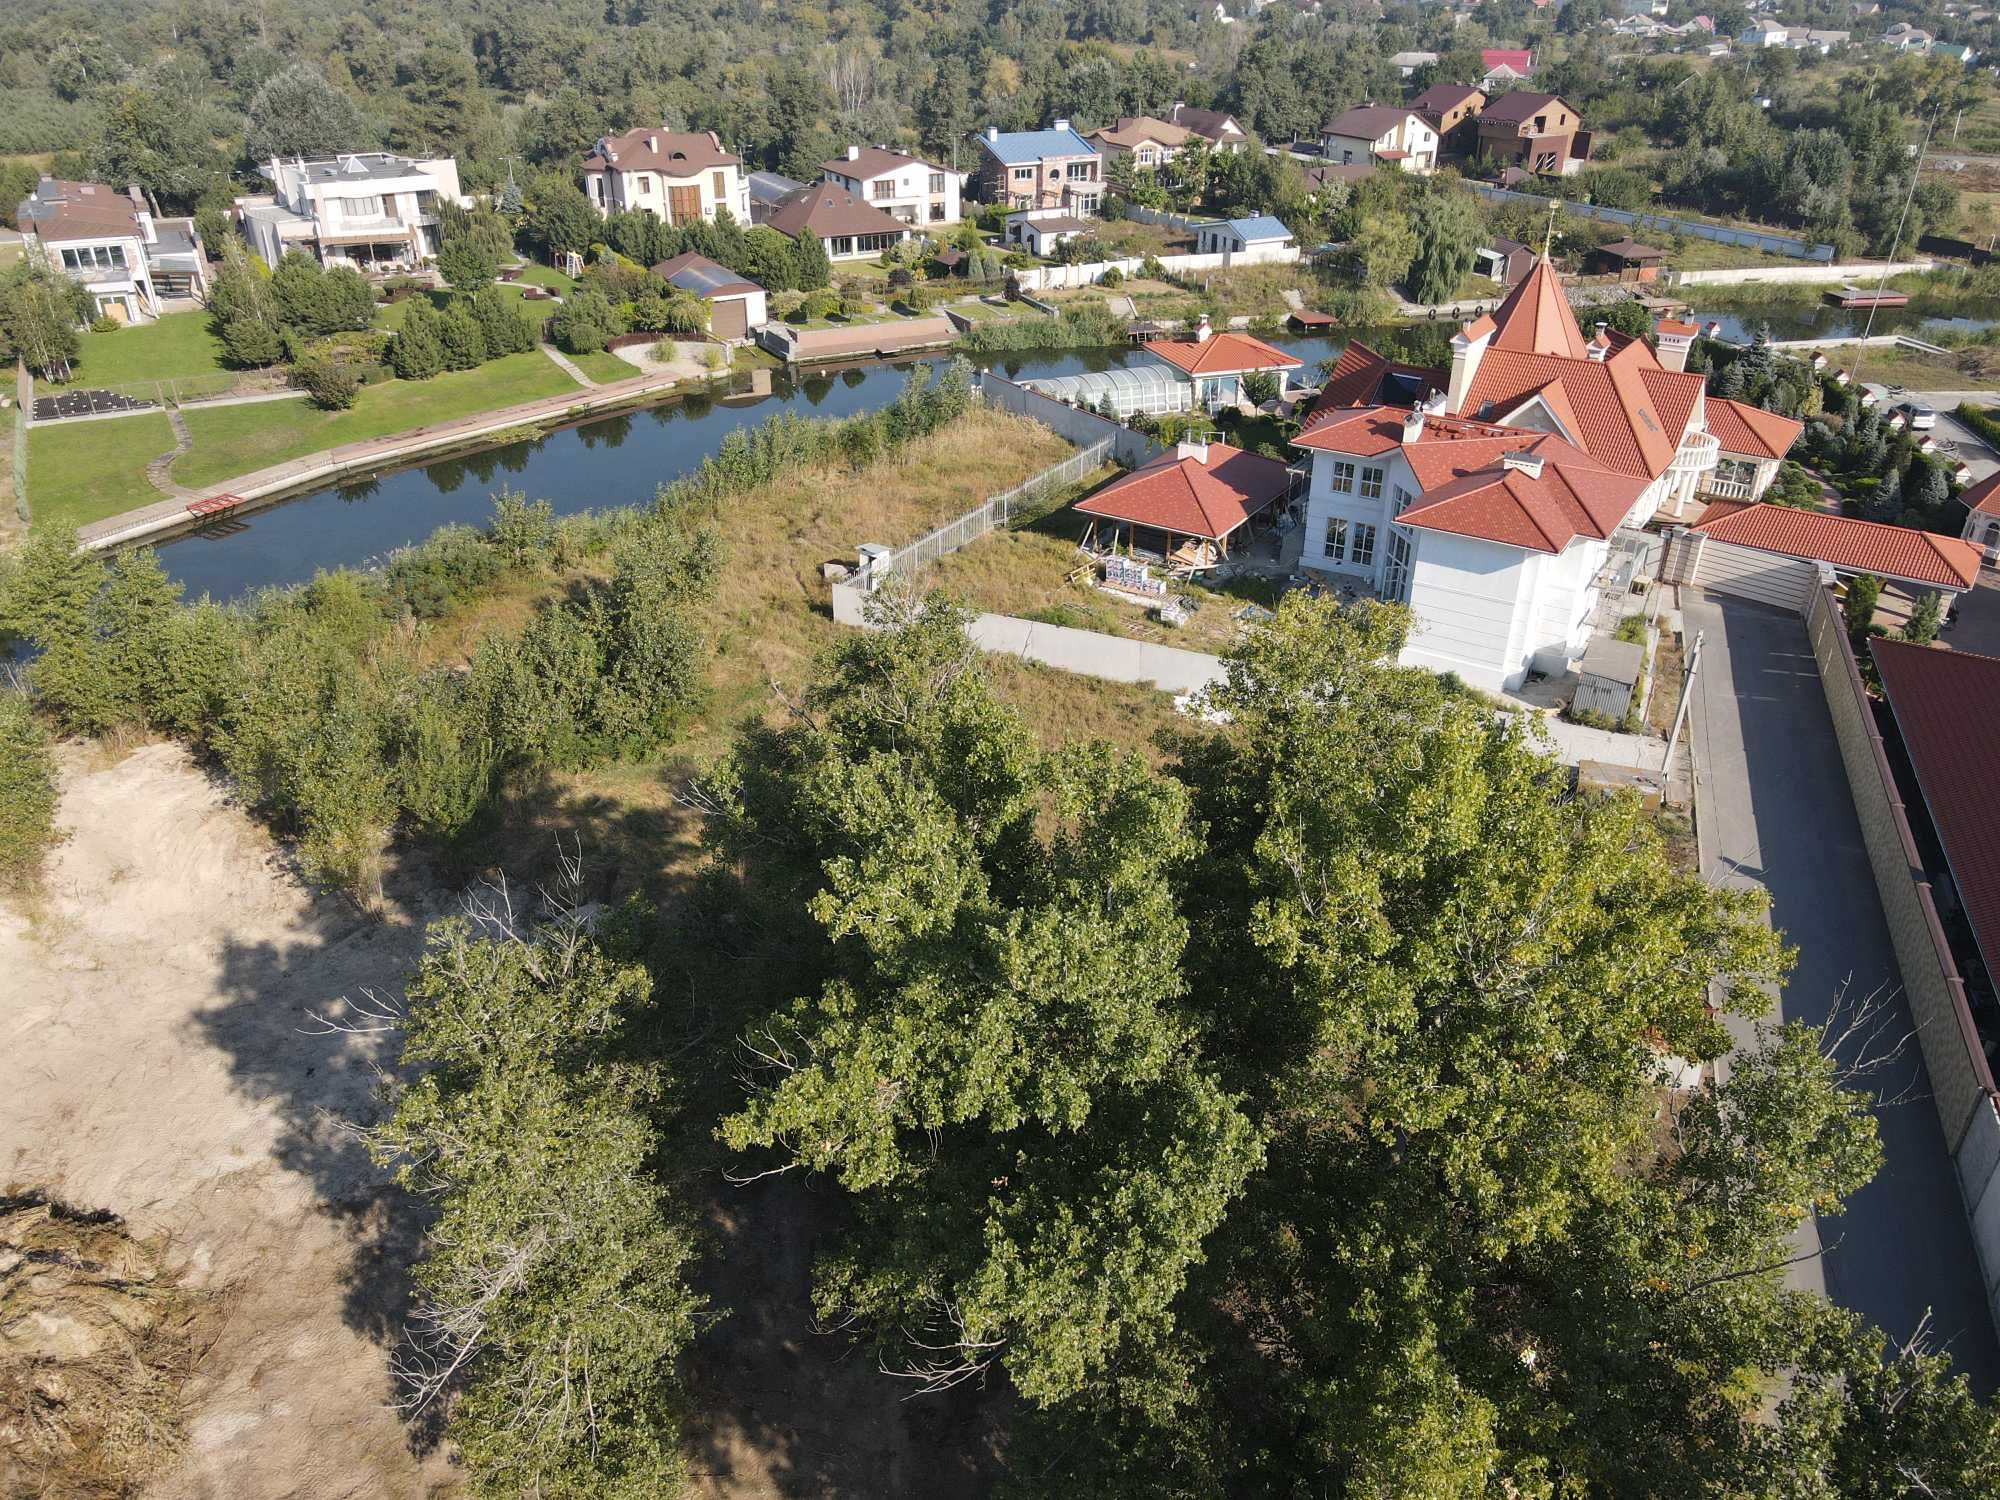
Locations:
1680 714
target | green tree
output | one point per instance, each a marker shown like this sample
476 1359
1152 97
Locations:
996 1061
559 218
466 264
943 108
166 143
584 322
39 313
552 1281
440 106
464 346
1382 248
27 793
296 112
811 270
417 350
50 594
1925 617
1448 232
1864 592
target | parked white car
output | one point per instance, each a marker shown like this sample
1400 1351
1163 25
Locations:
1920 418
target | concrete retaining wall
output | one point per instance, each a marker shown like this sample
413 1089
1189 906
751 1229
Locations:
1961 1083
1084 428
1864 273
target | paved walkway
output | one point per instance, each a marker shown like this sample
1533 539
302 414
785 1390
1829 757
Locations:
575 372
159 473
372 453
1774 812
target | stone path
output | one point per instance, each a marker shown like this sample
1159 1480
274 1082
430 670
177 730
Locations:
159 473
575 372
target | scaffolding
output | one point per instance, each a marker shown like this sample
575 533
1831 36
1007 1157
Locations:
1150 388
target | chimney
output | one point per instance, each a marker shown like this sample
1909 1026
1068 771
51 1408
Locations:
1192 447
1466 353
1060 125
992 132
652 143
1203 332
1675 341
1598 347
854 153
1523 463
1413 425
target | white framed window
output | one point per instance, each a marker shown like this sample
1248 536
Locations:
1371 484
361 208
937 182
1336 538
1343 477
1024 174
882 189
1403 499
1361 549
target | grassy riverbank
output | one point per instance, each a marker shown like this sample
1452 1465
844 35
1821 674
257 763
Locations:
232 440
79 472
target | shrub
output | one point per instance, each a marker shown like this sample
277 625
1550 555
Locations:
27 792
417 352
584 323
522 532
441 572
105 323
463 344
446 762
1863 594
332 385
1112 277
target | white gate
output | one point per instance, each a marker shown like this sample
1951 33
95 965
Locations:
1747 573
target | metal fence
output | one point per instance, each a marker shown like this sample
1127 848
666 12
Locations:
1721 234
997 510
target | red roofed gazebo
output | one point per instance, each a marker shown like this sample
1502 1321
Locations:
1186 505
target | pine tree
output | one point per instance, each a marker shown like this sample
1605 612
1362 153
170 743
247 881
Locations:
417 351
814 270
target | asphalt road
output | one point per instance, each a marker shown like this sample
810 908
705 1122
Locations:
1776 812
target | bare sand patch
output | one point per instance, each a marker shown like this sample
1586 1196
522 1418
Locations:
159 1063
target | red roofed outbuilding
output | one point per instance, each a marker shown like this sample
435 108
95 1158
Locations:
1215 363
1188 504
1982 516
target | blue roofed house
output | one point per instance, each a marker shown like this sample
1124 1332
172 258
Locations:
1053 168
1257 238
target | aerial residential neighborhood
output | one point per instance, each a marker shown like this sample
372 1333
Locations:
1229 748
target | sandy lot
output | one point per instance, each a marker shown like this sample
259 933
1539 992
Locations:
159 1062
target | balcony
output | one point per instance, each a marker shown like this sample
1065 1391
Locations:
1725 489
1696 455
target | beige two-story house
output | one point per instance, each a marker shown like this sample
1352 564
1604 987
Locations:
1053 168
676 176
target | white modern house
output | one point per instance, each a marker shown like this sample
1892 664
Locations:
921 193
368 210
133 264
676 176
1490 497
1381 134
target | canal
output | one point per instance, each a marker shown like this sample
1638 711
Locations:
598 464
620 460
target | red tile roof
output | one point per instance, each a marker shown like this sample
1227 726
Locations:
1535 318
1519 59
1357 376
1470 491
1897 552
1750 430
1208 497
1984 496
1222 354
672 152
1629 412
1947 706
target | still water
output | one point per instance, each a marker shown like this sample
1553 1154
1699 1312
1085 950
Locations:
609 461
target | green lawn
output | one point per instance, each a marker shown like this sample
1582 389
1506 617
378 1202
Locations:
390 315
538 310
547 276
178 346
604 366
232 440
83 471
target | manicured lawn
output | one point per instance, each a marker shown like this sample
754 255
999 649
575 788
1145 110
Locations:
178 346
83 471
232 440
547 276
390 315
540 310
603 366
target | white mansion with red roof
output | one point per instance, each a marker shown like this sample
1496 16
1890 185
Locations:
1487 497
